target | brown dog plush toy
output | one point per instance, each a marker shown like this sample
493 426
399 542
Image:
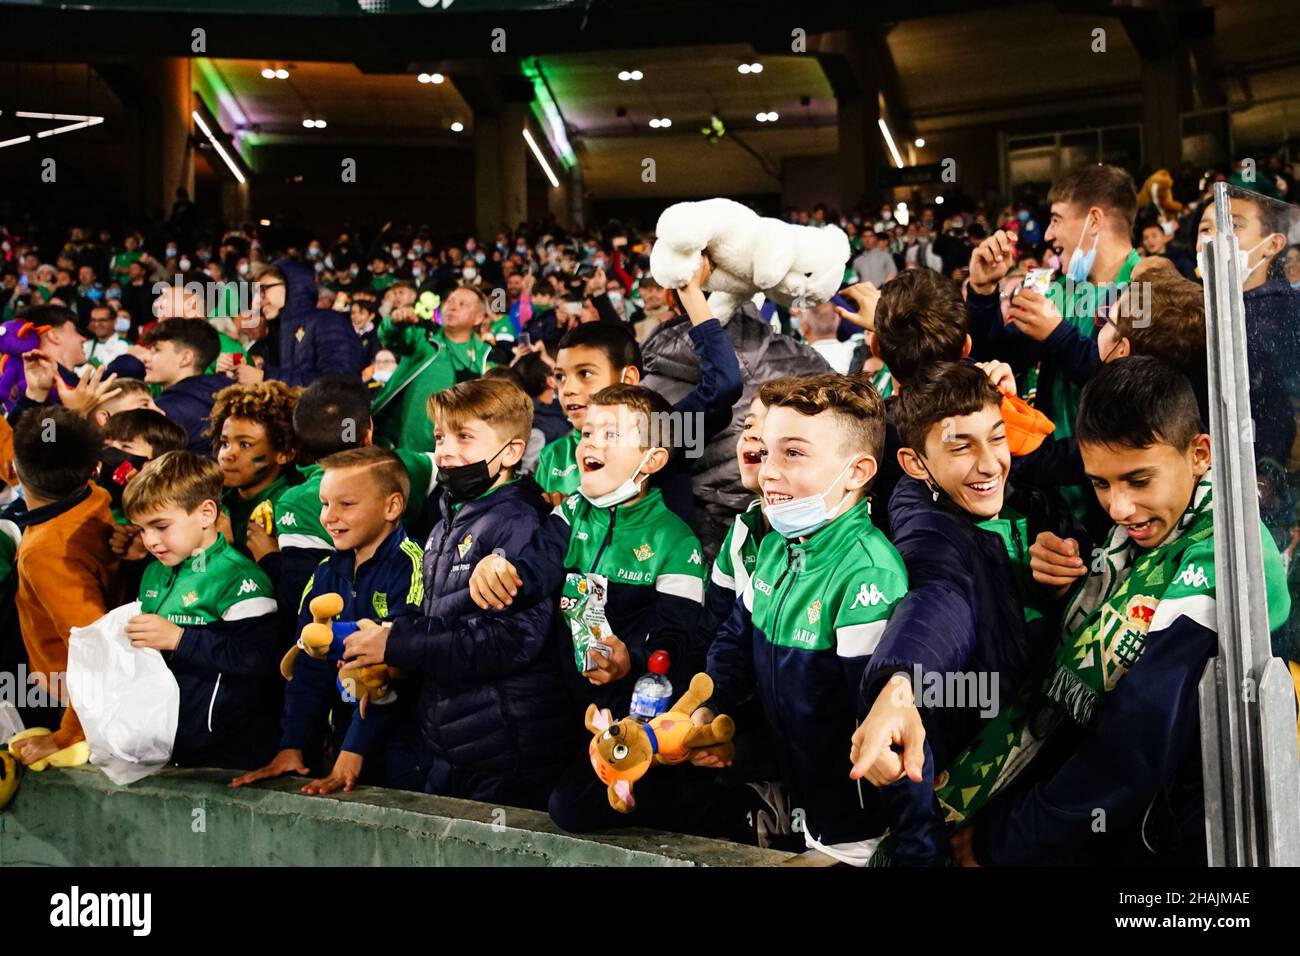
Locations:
323 639
621 752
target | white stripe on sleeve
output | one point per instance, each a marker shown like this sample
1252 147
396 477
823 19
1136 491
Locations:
859 640
683 585
250 607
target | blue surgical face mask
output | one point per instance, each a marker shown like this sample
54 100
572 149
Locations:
329 262
1295 285
313 252
480 258
1023 215
624 492
1080 265
121 324
802 516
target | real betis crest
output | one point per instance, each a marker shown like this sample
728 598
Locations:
463 548
814 611
189 599
380 603
643 553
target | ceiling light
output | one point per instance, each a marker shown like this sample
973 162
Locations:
457 126
743 68
938 200
320 124
282 74
919 142
773 116
636 75
624 75
424 78
654 123
309 123
268 74
265 222
217 146
889 141
756 68
436 77
541 160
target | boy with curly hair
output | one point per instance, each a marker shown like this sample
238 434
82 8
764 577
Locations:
252 437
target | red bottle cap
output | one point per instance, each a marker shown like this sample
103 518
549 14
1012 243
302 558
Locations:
659 662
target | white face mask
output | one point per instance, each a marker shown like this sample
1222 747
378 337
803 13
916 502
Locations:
121 324
383 374
616 299
1243 258
624 492
803 516
243 268
470 275
185 265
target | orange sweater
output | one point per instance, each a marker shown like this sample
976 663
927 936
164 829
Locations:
67 577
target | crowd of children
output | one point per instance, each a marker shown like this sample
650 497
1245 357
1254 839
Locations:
963 607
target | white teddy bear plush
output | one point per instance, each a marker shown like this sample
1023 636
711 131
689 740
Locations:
750 253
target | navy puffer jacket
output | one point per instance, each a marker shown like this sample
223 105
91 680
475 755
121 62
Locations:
313 342
492 694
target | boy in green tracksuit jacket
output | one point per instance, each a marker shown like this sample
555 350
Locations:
429 360
597 354
823 588
210 612
613 555
622 564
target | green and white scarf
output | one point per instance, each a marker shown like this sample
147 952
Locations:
1104 628
1104 632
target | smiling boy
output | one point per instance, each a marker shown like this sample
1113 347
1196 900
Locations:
208 610
971 606
375 569
1114 727
595 355
822 591
252 436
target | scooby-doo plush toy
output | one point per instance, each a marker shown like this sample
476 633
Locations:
621 752
323 639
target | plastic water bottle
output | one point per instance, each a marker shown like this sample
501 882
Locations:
653 692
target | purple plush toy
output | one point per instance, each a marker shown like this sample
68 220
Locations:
16 338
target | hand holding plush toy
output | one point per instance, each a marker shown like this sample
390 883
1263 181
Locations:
323 639
621 752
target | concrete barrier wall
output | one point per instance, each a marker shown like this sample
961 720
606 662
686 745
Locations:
193 818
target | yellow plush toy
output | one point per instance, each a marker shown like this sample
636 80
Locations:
74 755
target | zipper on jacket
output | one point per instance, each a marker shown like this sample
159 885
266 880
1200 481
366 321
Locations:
609 536
776 618
212 704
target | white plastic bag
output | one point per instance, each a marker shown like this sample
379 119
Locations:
126 698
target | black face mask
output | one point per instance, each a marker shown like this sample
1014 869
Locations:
467 482
116 468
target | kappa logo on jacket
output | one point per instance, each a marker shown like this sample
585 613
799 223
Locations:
695 557
1193 577
247 586
288 519
868 597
